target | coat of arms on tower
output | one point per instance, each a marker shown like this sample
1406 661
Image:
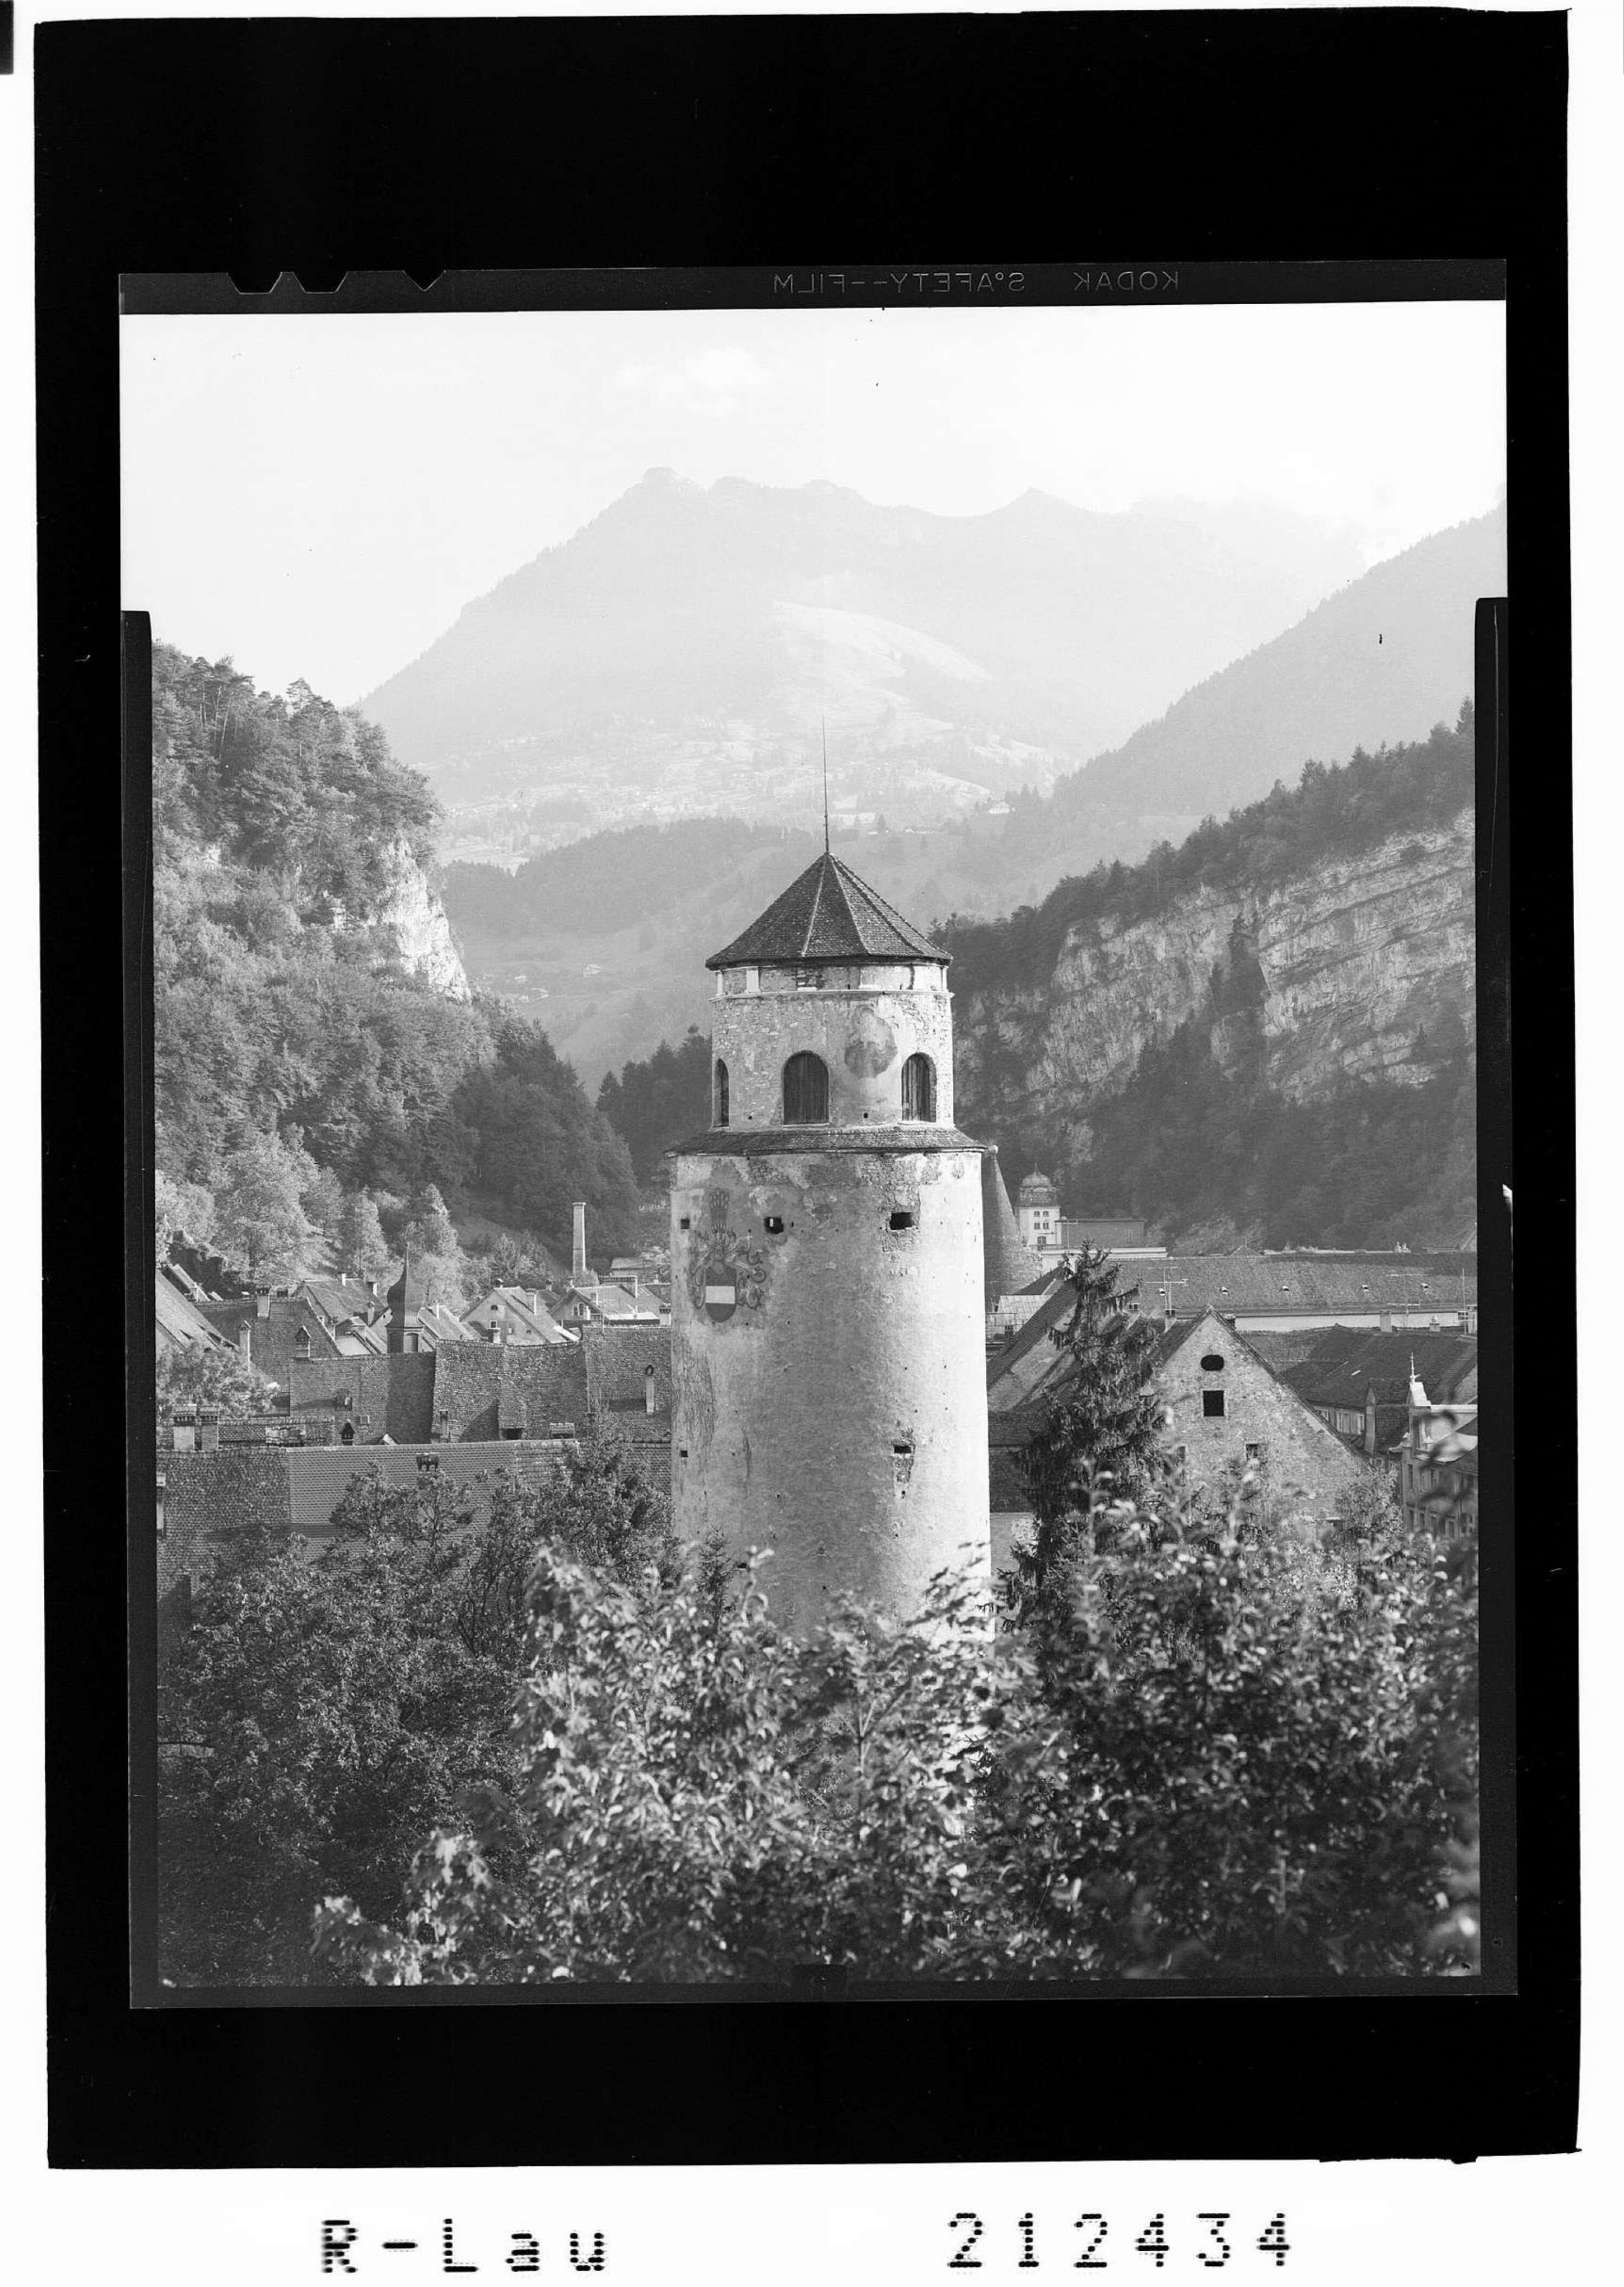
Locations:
724 1270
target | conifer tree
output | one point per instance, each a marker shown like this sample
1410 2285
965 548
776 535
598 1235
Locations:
1099 1442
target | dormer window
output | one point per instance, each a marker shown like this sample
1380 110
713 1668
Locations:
301 1344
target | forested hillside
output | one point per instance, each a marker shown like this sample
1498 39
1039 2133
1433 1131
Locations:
1247 1107
1331 811
318 1088
593 887
1265 1033
659 1099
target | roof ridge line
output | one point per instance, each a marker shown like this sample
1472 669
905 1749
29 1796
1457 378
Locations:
845 898
892 913
812 918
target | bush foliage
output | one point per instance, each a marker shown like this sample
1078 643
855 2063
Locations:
1229 1772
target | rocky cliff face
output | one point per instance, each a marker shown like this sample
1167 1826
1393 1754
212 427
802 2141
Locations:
409 929
1354 961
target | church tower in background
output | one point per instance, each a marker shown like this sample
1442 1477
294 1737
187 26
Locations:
827 1300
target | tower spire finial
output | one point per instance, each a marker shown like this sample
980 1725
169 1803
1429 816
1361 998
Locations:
823 722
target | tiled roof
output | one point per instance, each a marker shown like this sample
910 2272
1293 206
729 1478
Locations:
343 1298
616 1359
470 1378
1029 1367
180 1323
827 914
209 1495
1340 1373
510 1309
1289 1284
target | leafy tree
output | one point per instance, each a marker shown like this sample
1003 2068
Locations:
518 1259
180 1209
315 1718
191 1377
358 1245
1217 1777
702 1799
658 1101
1249 1780
261 1223
323 1201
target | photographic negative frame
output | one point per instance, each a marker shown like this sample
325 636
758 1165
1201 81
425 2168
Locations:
994 2037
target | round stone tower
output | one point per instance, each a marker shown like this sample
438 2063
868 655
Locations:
828 1336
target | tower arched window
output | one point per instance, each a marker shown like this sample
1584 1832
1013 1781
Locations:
919 1089
806 1090
721 1093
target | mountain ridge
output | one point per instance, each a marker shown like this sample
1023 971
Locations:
678 651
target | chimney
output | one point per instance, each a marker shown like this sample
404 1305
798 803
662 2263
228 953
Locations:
262 1304
209 1429
183 1430
578 1261
163 1520
648 1389
245 1338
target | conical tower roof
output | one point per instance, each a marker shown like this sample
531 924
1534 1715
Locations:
408 1290
1009 1263
827 914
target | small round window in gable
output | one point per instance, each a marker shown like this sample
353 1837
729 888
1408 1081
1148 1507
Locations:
1212 1363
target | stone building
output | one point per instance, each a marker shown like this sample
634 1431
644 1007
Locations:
1437 1466
1038 1203
1228 1411
827 1295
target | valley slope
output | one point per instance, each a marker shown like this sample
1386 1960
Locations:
680 653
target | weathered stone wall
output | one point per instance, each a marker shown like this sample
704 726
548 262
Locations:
1304 1461
865 1021
848 1340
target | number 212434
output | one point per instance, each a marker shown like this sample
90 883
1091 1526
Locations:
1210 2244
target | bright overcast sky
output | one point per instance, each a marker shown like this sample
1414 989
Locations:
321 496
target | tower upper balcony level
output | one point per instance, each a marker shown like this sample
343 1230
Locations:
832 1011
